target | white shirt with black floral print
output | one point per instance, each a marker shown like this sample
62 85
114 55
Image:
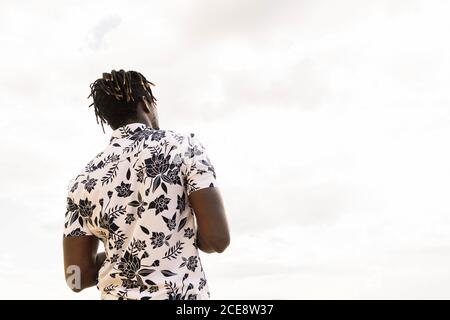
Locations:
134 197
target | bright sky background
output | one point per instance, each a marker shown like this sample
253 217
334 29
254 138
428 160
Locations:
327 122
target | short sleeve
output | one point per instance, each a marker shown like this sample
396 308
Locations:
200 172
76 218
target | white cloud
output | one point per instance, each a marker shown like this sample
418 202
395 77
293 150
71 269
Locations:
101 29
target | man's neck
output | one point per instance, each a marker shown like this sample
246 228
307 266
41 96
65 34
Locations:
145 121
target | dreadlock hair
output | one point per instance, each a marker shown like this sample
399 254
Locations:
116 96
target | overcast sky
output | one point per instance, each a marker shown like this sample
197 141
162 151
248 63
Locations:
327 122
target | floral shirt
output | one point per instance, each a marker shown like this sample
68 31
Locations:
134 197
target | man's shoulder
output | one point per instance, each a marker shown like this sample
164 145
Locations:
89 168
183 140
177 136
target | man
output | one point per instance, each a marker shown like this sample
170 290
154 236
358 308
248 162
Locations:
150 196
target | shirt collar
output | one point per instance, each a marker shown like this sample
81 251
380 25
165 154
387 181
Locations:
128 130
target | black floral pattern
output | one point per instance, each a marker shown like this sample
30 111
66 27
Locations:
129 265
171 223
202 283
181 202
158 135
139 204
159 204
180 292
71 206
159 238
129 218
76 233
188 233
74 187
133 196
124 190
193 151
85 208
89 183
190 263
157 164
138 137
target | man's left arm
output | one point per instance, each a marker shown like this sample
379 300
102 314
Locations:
82 260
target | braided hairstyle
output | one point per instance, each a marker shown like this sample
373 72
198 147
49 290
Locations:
116 96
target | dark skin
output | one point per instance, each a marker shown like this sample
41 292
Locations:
212 227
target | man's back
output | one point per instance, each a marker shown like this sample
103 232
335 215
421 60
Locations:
134 197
